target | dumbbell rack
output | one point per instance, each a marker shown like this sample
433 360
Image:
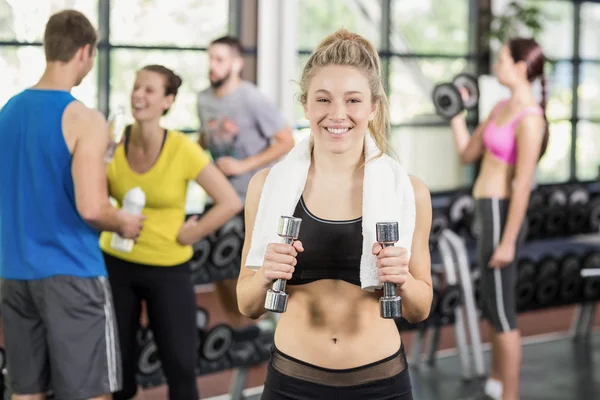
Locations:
240 374
455 265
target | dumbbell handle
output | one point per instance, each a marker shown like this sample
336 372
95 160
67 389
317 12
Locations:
588 272
276 297
389 288
390 304
279 284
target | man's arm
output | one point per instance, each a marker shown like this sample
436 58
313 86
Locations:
90 130
272 125
282 143
202 139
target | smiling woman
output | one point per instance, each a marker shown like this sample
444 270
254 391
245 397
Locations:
332 342
161 163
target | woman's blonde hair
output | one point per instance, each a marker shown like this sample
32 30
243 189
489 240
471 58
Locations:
350 49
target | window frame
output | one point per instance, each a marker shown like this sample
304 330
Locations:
105 48
475 55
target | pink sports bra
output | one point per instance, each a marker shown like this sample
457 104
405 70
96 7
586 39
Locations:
500 140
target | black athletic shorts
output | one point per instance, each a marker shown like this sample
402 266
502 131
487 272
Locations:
60 334
289 378
498 285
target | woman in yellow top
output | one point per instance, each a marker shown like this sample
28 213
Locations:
156 269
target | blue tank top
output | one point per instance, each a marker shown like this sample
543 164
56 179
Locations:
41 231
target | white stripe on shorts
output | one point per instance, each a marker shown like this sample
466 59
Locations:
497 272
109 329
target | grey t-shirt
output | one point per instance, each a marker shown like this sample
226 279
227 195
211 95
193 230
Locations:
240 125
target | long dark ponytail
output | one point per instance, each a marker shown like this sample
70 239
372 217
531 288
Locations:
530 52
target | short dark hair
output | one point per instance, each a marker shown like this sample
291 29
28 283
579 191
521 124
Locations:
230 41
66 32
172 80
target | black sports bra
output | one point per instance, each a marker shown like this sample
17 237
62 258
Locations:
332 249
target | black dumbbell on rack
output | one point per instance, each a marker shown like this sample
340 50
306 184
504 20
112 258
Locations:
449 101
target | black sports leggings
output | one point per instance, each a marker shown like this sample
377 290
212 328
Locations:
171 304
291 379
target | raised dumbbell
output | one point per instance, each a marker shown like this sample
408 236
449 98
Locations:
288 230
390 305
448 100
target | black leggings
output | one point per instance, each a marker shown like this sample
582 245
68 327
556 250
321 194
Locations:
171 304
292 379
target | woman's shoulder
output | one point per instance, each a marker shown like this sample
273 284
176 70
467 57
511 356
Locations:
258 180
419 188
255 188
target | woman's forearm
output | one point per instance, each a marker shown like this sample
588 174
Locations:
217 216
416 300
460 133
251 294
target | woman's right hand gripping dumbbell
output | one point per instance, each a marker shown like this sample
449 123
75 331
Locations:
280 261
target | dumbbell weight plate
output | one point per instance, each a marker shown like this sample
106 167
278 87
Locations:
148 361
577 218
535 222
201 254
470 83
243 354
591 288
217 342
556 218
594 215
525 294
536 199
526 269
461 207
557 197
447 100
450 299
236 224
226 250
546 292
439 222
591 260
201 318
579 196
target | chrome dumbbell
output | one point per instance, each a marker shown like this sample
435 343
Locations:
276 300
390 304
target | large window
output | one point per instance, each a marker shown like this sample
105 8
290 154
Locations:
21 54
422 43
140 32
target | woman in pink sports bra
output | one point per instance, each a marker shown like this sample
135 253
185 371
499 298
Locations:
509 143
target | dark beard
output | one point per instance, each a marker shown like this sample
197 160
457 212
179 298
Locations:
218 83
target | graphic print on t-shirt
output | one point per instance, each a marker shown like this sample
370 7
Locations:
222 134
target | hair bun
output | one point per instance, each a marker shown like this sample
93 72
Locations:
177 81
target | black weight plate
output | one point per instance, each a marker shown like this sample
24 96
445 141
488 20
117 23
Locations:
447 100
470 83
217 342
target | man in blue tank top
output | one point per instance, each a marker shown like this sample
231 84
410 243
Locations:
57 310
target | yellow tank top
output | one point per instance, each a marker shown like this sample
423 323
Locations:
165 187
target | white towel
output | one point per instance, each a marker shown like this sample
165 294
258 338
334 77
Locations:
387 196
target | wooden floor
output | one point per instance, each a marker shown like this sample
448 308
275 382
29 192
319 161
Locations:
534 323
537 323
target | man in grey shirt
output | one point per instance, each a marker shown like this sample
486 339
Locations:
244 132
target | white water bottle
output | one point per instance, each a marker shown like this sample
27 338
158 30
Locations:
117 124
133 203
